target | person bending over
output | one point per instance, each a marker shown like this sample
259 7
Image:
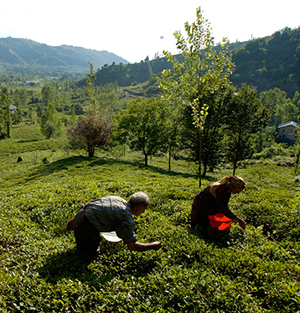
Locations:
106 214
212 202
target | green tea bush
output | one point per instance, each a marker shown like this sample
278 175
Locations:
251 270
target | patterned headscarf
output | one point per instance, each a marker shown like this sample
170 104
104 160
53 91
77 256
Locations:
234 180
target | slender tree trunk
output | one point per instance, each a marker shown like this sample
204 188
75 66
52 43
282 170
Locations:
200 157
297 161
234 168
236 154
170 156
204 170
146 159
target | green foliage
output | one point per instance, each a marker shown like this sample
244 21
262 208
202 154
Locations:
17 117
281 108
269 62
245 116
48 95
90 82
5 115
90 132
51 126
142 126
256 270
200 79
240 271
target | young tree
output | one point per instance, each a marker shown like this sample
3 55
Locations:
51 125
246 116
171 100
296 99
142 126
289 112
200 77
90 82
48 95
73 117
20 97
30 111
17 117
5 103
274 100
109 102
2 124
90 132
93 130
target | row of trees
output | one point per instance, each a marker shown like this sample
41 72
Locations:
199 111
281 108
63 96
151 125
199 115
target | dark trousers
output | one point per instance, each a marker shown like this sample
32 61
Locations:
199 219
86 235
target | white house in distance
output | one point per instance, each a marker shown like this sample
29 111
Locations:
288 132
12 108
27 83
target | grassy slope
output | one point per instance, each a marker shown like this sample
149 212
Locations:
252 271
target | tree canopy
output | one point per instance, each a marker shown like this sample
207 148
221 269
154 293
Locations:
141 126
200 79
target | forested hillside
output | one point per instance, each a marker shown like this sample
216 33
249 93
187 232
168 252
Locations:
265 63
270 62
22 54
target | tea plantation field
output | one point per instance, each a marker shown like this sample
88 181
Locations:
256 270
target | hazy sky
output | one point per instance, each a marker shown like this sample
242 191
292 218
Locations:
135 29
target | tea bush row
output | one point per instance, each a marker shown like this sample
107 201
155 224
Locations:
256 270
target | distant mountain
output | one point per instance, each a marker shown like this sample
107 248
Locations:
21 53
266 63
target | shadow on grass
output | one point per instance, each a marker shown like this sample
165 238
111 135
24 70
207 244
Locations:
72 265
27 140
67 264
221 239
64 164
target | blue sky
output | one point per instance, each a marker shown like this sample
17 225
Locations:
135 29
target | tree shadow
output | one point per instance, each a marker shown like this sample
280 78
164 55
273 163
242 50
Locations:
64 164
27 140
141 165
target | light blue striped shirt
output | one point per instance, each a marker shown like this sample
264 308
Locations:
111 213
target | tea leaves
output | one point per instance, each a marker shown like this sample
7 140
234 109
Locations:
256 270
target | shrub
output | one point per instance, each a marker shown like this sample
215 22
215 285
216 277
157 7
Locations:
90 132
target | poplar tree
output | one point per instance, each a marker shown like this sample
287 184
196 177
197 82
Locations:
200 75
51 125
48 95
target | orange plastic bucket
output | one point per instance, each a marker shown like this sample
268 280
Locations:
220 221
